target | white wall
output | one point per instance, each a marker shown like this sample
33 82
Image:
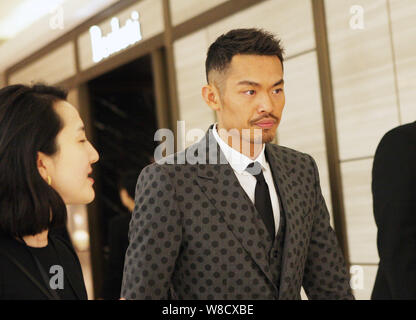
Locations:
374 72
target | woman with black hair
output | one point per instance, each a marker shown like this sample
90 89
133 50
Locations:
45 163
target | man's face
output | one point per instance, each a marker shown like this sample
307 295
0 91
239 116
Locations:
252 97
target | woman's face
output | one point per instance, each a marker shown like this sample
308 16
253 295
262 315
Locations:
70 167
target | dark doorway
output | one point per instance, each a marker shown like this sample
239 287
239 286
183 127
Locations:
123 114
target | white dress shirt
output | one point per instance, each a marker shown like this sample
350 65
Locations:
239 163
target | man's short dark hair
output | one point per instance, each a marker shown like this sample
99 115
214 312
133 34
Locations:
241 41
28 124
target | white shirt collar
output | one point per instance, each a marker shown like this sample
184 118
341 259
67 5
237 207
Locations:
237 160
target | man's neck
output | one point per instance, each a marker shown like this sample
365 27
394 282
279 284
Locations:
247 148
39 240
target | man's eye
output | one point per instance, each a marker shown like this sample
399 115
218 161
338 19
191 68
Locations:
277 90
83 140
250 92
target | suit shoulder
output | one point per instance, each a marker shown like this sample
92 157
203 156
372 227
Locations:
404 131
157 174
399 138
154 168
290 152
177 161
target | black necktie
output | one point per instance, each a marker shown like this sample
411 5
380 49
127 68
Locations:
262 200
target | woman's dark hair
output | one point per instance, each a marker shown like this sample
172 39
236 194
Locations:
241 41
28 124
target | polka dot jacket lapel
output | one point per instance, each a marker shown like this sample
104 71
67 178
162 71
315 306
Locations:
219 183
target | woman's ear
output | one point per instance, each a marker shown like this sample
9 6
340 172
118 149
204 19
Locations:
211 96
43 162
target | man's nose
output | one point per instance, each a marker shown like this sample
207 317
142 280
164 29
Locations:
265 104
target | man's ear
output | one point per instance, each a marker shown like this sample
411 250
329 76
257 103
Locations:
211 96
42 164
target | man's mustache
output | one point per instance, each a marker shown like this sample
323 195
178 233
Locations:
268 116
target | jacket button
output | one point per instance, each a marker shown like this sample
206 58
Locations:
275 253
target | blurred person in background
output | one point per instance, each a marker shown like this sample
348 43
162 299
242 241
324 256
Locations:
45 164
394 204
118 236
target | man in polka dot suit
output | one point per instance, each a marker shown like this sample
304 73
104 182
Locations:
235 216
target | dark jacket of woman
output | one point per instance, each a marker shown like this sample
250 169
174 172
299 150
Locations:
21 276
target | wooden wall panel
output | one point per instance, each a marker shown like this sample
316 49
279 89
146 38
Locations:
151 24
77 224
302 123
190 54
403 20
183 10
361 227
363 76
291 21
73 97
51 68
2 80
